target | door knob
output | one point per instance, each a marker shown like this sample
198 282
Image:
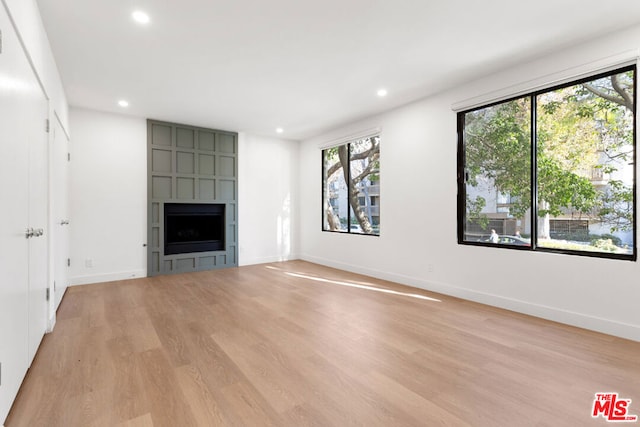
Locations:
33 232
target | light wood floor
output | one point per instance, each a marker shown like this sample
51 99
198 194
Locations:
296 344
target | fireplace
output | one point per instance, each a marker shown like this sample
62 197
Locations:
193 227
192 189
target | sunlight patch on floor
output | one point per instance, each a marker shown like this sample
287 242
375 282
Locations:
366 287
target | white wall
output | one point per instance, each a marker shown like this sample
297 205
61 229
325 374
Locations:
27 18
418 243
268 199
108 197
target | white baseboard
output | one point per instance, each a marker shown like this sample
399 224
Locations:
51 324
606 326
107 277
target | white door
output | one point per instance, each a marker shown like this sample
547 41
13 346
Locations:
14 267
59 210
38 220
17 87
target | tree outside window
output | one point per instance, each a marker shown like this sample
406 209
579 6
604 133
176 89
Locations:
553 170
351 187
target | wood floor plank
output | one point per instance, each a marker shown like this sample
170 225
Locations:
255 358
419 409
130 400
141 421
205 409
298 344
169 407
305 416
249 406
172 340
217 368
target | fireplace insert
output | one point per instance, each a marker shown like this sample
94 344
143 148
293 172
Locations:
193 227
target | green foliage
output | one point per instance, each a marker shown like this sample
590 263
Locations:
616 206
498 147
560 244
605 245
580 129
562 188
576 236
614 239
474 209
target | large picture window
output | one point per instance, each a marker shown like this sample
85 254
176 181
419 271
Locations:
351 187
553 170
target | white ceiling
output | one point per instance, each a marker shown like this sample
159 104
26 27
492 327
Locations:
305 66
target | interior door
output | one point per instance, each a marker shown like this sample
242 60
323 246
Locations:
16 85
60 210
13 248
38 220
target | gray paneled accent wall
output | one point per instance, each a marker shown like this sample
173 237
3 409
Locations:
190 165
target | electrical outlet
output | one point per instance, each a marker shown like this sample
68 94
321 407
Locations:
88 263
430 268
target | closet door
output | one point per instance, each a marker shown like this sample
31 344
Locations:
23 214
16 86
38 220
59 210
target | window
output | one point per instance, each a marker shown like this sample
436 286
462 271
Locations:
553 170
351 187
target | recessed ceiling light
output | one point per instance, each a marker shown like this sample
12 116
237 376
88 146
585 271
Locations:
123 103
382 93
140 17
279 130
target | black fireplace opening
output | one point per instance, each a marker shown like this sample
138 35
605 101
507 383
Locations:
193 227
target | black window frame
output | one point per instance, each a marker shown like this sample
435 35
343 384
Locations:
349 208
462 178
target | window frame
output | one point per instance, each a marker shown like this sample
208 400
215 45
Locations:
349 208
533 95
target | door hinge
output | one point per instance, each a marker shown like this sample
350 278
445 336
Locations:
68 157
46 125
68 262
48 294
54 286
